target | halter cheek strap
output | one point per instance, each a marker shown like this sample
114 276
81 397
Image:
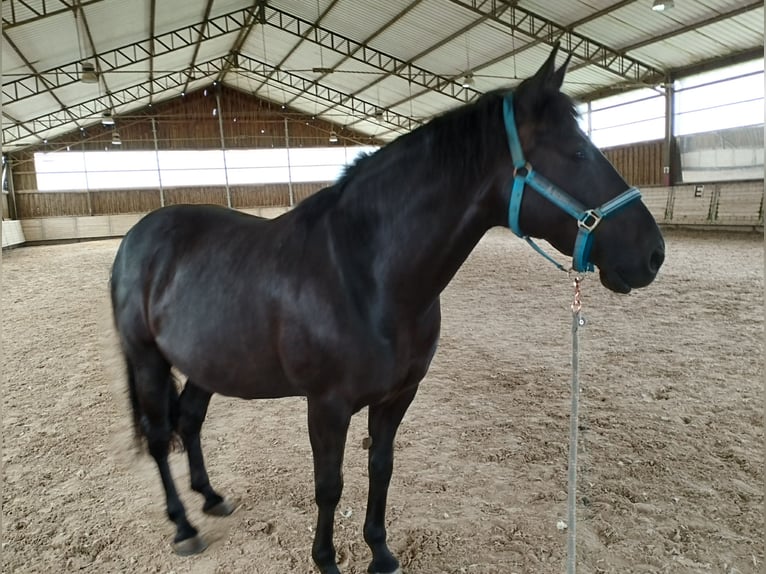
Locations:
587 219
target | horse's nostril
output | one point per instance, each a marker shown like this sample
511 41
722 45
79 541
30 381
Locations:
656 260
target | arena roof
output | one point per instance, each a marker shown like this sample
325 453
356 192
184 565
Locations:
380 68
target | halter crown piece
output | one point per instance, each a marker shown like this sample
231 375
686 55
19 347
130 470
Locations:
587 219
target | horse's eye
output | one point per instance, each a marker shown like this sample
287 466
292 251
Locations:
580 154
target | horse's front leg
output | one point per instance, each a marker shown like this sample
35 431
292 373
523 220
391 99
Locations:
384 420
328 427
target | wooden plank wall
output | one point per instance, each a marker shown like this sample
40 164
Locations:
111 202
640 163
189 123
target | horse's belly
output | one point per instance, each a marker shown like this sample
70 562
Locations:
265 383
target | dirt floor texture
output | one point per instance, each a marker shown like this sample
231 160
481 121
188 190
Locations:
671 442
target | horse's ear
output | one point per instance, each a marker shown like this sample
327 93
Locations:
557 78
547 71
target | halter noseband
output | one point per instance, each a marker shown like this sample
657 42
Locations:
587 219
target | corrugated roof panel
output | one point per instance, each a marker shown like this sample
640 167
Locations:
637 22
425 107
276 43
173 14
13 66
221 7
133 18
50 42
421 24
215 47
389 91
682 50
738 33
564 13
66 128
517 67
468 51
351 77
79 92
588 79
32 107
359 20
308 56
173 61
304 10
616 32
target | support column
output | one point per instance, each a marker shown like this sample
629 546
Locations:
668 177
157 159
289 168
223 147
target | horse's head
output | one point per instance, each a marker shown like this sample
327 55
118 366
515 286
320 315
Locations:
626 245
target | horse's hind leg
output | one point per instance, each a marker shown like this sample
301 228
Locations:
192 411
157 398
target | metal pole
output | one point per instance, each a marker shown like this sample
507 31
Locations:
289 169
590 119
13 208
223 147
87 183
668 176
157 159
577 322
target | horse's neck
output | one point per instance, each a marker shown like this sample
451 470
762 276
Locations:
418 243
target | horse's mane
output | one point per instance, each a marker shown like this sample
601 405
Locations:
443 141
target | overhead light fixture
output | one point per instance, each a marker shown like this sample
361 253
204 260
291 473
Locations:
333 137
662 5
88 73
468 80
116 140
107 119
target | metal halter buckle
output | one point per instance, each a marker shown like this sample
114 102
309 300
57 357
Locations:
522 171
589 220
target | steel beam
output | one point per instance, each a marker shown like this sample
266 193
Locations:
118 58
368 55
583 48
152 20
44 82
203 26
518 50
254 17
90 111
26 11
374 35
303 36
355 106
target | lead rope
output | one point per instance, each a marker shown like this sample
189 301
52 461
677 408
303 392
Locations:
577 322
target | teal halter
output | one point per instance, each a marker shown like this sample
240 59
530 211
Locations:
587 219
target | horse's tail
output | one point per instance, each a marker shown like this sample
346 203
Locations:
171 384
138 432
174 403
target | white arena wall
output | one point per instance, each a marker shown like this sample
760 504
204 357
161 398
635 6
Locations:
731 205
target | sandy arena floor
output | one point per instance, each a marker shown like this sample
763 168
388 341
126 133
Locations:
671 475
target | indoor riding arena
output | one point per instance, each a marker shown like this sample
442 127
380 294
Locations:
112 110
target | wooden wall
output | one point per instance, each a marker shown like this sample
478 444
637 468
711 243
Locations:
188 123
641 163
110 202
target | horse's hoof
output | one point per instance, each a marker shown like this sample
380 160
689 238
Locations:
190 546
223 508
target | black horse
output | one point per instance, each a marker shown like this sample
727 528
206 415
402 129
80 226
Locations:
338 299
